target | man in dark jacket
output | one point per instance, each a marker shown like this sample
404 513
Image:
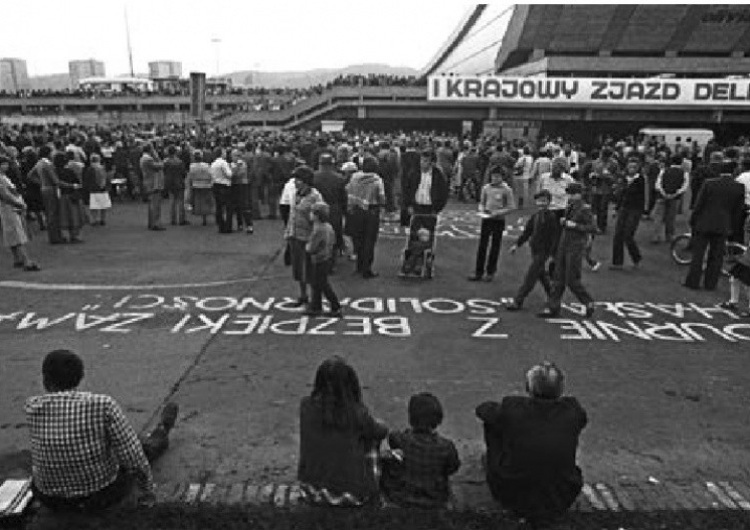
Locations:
531 447
542 231
711 170
332 187
633 200
428 192
717 212
410 176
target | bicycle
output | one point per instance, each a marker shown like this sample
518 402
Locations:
682 254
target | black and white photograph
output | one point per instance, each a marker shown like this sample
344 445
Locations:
371 266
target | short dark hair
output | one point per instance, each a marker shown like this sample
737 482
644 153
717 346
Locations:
370 165
425 411
62 370
428 153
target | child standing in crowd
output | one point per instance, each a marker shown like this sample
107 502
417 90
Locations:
418 474
320 248
541 231
495 202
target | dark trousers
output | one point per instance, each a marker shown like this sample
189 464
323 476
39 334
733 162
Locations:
568 274
321 286
154 208
177 206
255 201
625 228
491 234
223 200
600 206
715 244
537 272
366 224
241 205
52 211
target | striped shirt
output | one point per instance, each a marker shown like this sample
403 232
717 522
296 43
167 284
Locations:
79 441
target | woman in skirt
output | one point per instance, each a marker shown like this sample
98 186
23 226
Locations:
12 212
96 185
199 197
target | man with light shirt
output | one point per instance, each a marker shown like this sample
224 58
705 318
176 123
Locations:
429 194
556 183
221 178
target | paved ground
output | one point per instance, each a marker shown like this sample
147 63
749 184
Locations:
204 319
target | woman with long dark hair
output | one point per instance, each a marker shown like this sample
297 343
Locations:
338 439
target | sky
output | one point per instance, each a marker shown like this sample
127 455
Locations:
267 36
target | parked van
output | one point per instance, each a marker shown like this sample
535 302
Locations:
682 137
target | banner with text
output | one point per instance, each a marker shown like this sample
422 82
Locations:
590 91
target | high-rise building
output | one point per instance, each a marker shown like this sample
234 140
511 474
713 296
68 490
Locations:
13 75
82 69
163 69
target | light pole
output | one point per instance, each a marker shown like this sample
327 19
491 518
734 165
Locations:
216 42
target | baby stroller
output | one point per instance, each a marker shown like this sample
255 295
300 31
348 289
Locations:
418 255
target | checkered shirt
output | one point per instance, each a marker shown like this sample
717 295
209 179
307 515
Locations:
79 441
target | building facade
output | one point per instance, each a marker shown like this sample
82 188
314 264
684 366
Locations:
14 76
82 69
164 69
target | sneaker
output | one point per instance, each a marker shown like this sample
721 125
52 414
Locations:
169 415
590 310
549 313
249 230
474 278
514 306
596 266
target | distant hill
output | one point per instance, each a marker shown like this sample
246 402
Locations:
303 79
294 79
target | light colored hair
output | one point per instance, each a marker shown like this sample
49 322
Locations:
545 381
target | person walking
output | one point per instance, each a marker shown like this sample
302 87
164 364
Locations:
153 185
320 249
632 195
577 223
717 212
495 202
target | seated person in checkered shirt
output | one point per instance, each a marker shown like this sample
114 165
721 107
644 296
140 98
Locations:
424 460
85 454
531 447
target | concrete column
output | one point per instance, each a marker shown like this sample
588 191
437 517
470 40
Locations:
492 113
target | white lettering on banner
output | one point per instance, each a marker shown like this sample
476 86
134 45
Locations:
590 91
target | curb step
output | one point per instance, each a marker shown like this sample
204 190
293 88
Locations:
595 497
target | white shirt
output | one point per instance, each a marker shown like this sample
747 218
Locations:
289 193
423 195
744 179
221 173
557 188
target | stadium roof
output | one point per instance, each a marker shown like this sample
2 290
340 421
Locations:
603 38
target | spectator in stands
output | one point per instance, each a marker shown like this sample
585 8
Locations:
174 184
366 197
12 220
199 197
423 460
153 185
338 440
86 456
531 447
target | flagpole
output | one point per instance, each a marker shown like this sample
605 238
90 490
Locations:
130 49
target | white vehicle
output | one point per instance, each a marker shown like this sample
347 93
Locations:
679 137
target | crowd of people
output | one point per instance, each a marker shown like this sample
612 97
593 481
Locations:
65 177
